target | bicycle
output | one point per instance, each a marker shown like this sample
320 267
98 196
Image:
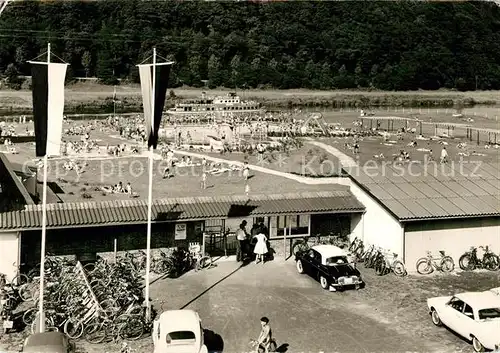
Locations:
387 265
304 244
357 248
201 260
427 265
57 321
273 346
470 261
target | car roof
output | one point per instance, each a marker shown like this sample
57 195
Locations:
45 342
327 250
480 300
180 320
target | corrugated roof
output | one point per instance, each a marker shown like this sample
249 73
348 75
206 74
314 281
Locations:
420 192
135 211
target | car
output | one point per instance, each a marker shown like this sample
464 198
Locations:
178 331
473 315
330 265
48 342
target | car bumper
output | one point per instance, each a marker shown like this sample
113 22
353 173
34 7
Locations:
355 285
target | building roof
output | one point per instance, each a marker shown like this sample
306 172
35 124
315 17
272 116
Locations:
8 173
134 211
434 191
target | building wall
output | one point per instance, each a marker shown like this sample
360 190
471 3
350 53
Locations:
9 242
376 226
98 240
455 237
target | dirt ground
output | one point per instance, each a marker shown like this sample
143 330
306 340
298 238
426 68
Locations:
389 315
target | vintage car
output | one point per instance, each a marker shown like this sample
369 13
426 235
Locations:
330 265
178 331
48 342
472 315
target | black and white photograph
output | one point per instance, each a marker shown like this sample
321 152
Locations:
249 176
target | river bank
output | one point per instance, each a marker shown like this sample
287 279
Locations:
91 98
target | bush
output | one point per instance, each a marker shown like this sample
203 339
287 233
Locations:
86 195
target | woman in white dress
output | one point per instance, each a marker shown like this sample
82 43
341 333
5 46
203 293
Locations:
260 247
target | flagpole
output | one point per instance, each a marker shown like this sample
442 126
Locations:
150 194
44 230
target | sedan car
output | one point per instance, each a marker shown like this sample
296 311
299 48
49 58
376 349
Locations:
329 264
472 315
178 331
48 342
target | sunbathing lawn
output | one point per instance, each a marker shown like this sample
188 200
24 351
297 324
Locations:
308 160
186 182
371 148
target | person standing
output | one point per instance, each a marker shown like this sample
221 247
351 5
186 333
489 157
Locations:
241 237
444 156
260 247
204 180
246 171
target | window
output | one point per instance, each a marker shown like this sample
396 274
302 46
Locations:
314 255
181 337
456 304
337 260
492 313
468 311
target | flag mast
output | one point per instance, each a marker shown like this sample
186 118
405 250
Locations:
150 193
44 230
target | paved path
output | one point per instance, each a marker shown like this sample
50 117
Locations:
231 299
298 178
344 159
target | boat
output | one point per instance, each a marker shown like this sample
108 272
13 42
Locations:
228 104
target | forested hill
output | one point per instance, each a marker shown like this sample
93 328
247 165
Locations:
386 45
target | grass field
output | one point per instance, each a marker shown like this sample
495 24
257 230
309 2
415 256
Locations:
186 181
83 97
308 161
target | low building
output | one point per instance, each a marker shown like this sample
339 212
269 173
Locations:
117 222
417 208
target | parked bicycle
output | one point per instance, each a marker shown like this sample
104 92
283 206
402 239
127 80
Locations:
357 248
470 260
390 264
427 265
201 260
304 244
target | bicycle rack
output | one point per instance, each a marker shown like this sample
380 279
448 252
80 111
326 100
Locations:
93 305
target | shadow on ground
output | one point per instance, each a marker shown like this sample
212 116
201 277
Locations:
213 285
213 341
283 348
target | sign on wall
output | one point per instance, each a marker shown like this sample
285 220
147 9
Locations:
180 231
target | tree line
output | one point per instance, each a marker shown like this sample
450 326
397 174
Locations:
319 45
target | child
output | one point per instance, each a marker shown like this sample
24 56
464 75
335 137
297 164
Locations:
204 180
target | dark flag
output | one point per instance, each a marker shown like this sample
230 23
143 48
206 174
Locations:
161 84
47 81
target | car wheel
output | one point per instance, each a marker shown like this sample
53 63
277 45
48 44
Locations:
324 282
436 320
300 268
478 347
